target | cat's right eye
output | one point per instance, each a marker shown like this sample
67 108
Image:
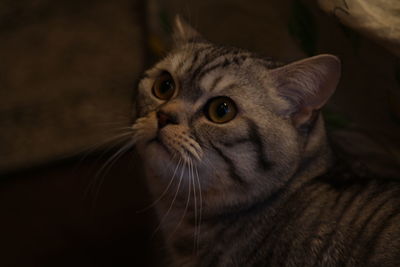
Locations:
164 86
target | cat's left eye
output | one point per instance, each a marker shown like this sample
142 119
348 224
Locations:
164 86
220 109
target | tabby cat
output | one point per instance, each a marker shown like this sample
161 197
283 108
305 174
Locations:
237 157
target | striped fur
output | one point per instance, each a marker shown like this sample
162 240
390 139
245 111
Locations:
262 189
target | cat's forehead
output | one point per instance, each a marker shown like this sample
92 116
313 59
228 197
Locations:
206 68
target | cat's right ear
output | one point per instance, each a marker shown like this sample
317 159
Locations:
183 32
307 85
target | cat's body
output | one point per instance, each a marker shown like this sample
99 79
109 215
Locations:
332 220
236 154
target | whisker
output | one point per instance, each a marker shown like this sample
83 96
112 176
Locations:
201 206
125 128
107 166
115 157
186 206
195 207
105 142
110 123
172 202
165 191
116 142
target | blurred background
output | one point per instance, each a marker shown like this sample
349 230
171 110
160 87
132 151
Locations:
68 71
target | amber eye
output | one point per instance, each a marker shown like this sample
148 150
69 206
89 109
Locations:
220 109
164 86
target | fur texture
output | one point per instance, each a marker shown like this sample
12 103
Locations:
260 189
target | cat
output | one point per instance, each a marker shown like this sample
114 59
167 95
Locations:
236 155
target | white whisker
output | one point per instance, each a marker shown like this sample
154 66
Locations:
201 207
115 138
172 202
186 206
107 165
192 151
105 142
195 208
111 123
165 191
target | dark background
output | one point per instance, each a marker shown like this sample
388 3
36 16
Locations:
68 70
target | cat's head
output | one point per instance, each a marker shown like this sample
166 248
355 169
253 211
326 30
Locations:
226 121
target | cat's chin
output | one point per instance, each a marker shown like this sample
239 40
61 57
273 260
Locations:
158 156
161 166
158 150
155 149
158 145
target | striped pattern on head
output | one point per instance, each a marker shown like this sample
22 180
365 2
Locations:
182 128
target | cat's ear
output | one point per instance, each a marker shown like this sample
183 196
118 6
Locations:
183 32
307 85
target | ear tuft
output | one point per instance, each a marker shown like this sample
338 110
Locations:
183 32
307 85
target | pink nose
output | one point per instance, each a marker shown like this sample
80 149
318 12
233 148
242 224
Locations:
164 119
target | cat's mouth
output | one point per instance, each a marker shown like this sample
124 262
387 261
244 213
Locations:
188 152
157 140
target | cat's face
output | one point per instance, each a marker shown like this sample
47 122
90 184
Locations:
220 119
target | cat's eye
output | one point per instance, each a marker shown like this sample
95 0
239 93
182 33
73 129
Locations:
164 86
220 109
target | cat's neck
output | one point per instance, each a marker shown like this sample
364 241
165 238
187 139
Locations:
317 159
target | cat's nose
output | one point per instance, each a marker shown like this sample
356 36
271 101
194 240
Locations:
164 119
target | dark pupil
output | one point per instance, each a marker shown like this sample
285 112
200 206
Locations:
165 86
222 110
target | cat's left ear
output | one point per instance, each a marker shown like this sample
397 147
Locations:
183 32
307 85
